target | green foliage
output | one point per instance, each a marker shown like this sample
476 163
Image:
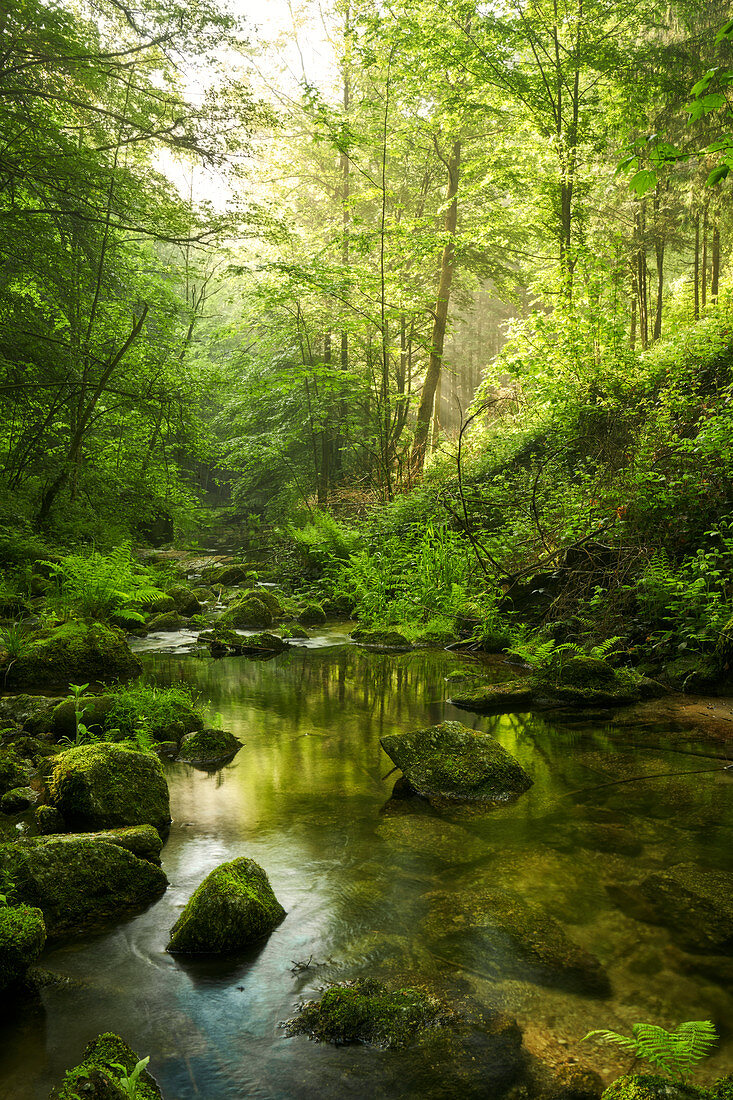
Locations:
129 1081
82 734
324 540
677 1052
15 638
143 712
99 586
7 888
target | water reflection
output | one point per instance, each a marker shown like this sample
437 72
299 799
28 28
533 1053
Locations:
308 798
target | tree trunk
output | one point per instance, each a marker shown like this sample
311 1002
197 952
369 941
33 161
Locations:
704 262
696 271
447 266
715 274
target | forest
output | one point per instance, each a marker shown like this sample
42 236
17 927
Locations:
366 549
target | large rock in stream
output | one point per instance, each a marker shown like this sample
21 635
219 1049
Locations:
98 1076
105 785
452 763
82 883
22 939
696 905
74 653
514 936
233 907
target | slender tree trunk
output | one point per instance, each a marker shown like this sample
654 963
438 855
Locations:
704 262
696 270
437 342
634 297
324 479
715 274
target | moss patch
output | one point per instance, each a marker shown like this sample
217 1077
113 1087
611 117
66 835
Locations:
453 763
104 785
98 1074
209 748
381 639
75 653
367 1012
312 615
13 772
80 883
649 1086
233 907
22 939
245 613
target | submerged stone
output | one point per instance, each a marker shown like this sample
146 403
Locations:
80 883
381 639
104 785
233 907
527 941
367 1012
453 763
209 748
22 939
98 1075
75 653
695 904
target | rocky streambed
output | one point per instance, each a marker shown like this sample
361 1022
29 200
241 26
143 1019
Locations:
596 895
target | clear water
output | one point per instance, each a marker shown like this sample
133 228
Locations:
307 798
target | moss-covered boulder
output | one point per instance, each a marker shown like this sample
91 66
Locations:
270 600
312 615
381 639
162 605
450 762
32 713
142 841
167 623
14 772
294 632
233 907
104 785
228 575
649 1086
186 603
542 694
96 709
246 613
98 1075
368 1012
17 800
49 820
209 748
696 905
74 653
516 936
204 595
80 883
22 939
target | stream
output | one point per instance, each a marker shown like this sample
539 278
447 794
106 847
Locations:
367 885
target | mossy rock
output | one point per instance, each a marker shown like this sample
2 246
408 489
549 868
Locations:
245 613
22 939
294 632
104 785
583 671
312 615
97 1077
696 905
233 907
167 623
204 595
48 820
381 639
32 713
228 575
649 1086
209 748
162 605
496 698
186 603
270 600
142 841
18 800
693 673
81 884
437 639
13 772
528 943
96 708
450 762
368 1012
75 653
261 643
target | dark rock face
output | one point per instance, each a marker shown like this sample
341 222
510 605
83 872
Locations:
105 785
526 939
98 1075
233 907
75 654
453 763
80 883
209 748
696 905
32 713
22 939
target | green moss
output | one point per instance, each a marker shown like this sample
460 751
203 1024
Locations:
186 603
270 600
649 1086
722 1089
209 747
167 623
451 762
381 639
98 1074
22 939
367 1012
312 615
233 907
166 714
248 612
75 653
294 632
80 883
96 709
49 820
582 671
232 574
13 773
17 800
104 785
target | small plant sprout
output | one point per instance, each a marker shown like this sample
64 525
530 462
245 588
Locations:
76 695
676 1053
130 1082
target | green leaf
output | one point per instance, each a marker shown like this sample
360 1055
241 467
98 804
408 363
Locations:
718 174
643 181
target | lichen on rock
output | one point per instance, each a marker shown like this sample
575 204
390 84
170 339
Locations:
233 907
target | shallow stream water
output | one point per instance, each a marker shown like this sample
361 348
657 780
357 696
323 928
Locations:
368 886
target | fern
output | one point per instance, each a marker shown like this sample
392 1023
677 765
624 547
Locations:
97 586
605 648
674 1052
